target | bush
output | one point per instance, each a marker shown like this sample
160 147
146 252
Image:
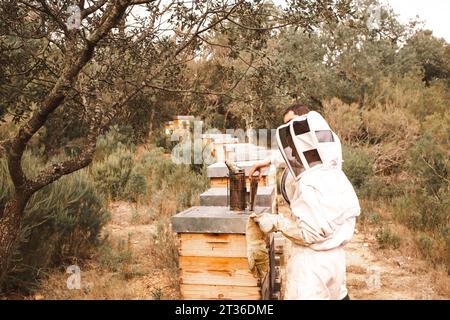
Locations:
61 223
425 245
115 138
387 239
343 118
357 165
427 215
111 175
136 186
429 159
162 140
164 178
389 123
435 247
390 131
193 184
378 187
156 166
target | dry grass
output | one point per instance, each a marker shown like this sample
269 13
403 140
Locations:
124 268
424 280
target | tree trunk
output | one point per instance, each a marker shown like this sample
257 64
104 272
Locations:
9 230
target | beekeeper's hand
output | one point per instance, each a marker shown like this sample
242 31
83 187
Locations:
258 167
268 222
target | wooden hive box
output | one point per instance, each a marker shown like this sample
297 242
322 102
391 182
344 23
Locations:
222 181
218 174
213 254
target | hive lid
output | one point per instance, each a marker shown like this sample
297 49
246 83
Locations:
204 219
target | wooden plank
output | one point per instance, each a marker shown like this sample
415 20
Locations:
218 182
265 287
212 245
216 271
222 181
203 292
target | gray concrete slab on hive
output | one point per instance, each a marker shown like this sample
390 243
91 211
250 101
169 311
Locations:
219 197
208 219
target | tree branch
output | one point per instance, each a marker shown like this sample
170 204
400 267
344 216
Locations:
90 10
16 145
57 170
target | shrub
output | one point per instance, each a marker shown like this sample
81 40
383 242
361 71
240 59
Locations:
374 218
343 118
165 179
423 212
429 159
425 245
61 223
379 187
430 166
115 138
387 239
357 165
162 140
156 166
111 175
136 186
390 123
429 216
193 184
435 97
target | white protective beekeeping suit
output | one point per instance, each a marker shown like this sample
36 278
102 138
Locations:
324 206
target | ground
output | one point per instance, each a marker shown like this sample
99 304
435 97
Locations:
380 274
371 273
138 275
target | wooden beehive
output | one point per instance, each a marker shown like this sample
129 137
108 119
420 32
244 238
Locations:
214 266
223 181
218 174
213 255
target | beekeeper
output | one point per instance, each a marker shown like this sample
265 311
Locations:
323 204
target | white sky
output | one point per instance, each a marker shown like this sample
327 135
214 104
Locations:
435 14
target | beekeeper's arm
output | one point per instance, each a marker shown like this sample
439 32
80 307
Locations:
289 228
276 159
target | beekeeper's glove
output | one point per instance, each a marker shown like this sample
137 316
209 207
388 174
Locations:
268 222
257 253
276 222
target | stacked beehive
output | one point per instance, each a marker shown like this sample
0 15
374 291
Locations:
213 254
213 250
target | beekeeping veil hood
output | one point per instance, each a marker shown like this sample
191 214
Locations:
320 195
307 141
